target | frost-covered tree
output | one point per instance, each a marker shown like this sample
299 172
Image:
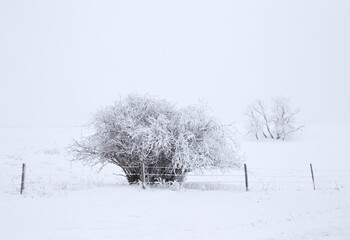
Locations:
259 122
283 118
279 123
169 141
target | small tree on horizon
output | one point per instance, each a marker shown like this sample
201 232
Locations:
279 123
170 142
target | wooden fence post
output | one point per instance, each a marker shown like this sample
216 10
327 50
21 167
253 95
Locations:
312 175
23 177
246 177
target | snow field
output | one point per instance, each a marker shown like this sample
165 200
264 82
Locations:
131 213
65 200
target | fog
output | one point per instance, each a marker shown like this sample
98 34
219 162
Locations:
62 60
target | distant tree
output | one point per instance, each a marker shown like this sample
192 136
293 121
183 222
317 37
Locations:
259 121
279 123
170 142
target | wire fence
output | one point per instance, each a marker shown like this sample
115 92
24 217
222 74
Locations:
249 179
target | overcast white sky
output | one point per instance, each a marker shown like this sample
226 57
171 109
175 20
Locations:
61 60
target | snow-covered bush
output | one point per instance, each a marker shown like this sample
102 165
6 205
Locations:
169 142
279 123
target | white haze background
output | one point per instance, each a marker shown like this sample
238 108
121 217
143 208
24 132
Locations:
61 60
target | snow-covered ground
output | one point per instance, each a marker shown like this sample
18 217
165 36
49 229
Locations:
65 200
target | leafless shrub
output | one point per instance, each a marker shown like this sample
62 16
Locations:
169 141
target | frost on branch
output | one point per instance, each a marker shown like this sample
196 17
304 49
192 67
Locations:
169 141
279 123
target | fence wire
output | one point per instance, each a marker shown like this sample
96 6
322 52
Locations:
258 179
